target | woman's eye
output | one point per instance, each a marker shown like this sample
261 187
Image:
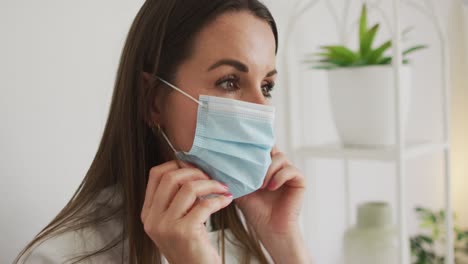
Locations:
267 88
229 83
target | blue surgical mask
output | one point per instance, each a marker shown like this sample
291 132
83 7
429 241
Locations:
233 141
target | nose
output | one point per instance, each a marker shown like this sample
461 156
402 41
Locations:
254 95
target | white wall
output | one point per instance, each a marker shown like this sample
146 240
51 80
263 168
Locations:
57 66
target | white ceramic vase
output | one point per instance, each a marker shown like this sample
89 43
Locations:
363 104
374 239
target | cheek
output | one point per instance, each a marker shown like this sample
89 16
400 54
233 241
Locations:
180 121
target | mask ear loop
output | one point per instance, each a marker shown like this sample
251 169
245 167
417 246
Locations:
165 137
180 91
184 93
160 131
168 142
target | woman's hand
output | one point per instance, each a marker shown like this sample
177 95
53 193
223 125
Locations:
174 216
274 209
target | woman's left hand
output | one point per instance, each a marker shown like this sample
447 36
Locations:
273 210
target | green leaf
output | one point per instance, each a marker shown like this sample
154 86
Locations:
330 56
335 56
426 224
421 210
441 216
424 213
367 40
324 67
388 61
337 62
413 49
434 218
427 239
376 55
322 54
435 233
385 61
341 53
363 26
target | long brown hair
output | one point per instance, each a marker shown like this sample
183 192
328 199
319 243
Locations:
160 38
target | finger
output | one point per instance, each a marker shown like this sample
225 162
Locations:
278 161
288 175
183 164
172 181
190 192
154 178
206 207
274 150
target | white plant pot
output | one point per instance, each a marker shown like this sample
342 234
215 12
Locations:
363 104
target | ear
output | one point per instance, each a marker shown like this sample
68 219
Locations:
153 116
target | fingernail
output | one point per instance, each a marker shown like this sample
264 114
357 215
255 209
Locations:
228 195
225 186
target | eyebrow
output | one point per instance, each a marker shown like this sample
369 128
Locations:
236 64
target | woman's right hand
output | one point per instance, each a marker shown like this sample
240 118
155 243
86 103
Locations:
173 216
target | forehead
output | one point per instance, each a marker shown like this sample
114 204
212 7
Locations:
237 35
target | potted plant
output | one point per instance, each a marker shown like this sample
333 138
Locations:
429 245
361 84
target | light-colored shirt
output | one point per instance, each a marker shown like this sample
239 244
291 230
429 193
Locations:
60 248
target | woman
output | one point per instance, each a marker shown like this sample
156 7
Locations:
186 170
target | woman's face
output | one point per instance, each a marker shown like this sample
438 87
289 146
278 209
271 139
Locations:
233 57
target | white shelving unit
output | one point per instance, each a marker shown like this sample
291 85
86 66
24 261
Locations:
402 152
336 151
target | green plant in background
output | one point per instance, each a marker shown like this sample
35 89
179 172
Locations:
338 56
426 248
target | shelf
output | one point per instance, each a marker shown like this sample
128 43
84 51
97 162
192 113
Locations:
337 151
